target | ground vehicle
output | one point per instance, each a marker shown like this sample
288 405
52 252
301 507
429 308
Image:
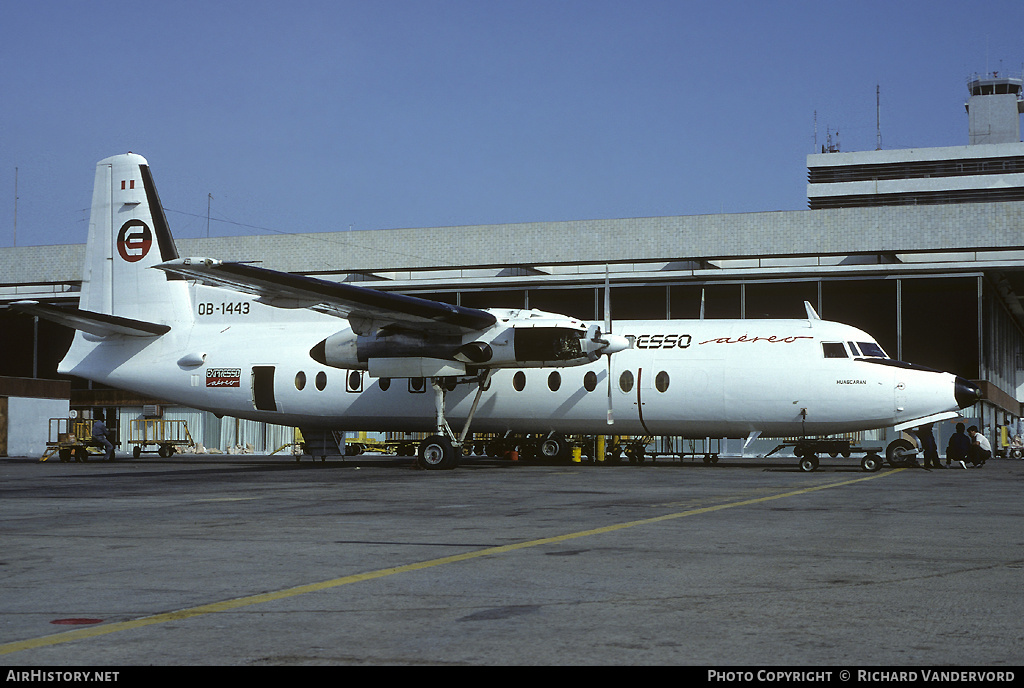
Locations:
70 438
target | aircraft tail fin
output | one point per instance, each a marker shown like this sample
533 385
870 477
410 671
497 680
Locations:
128 235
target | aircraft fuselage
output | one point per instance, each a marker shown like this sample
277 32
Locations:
691 378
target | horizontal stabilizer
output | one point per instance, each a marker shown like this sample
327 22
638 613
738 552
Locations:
99 324
366 309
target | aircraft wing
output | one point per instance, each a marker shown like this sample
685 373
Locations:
367 310
99 324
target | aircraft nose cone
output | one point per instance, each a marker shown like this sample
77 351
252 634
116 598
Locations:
966 392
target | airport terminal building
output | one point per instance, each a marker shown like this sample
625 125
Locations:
923 248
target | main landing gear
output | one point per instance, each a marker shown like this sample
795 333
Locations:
441 451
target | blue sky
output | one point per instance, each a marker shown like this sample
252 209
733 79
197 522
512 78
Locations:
323 116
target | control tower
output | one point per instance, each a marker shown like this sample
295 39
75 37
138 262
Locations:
989 169
994 108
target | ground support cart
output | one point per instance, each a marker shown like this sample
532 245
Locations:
70 438
708 449
166 435
807 450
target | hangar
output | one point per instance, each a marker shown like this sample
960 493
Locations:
920 247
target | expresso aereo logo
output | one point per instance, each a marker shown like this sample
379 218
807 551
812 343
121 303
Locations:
134 241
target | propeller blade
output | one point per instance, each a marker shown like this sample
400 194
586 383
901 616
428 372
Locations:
611 420
608 331
607 301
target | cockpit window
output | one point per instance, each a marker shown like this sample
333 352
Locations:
871 350
853 349
833 350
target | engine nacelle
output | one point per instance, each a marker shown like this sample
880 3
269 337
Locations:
348 350
520 339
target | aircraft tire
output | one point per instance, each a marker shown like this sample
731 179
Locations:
554 448
437 454
898 453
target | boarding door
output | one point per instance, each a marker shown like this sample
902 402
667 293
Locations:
263 388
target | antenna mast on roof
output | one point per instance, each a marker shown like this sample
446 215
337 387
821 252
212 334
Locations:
878 118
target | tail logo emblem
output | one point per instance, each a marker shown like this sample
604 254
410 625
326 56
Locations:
134 241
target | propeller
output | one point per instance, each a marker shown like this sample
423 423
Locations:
602 342
610 343
608 331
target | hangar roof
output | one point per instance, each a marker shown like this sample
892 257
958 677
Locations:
892 240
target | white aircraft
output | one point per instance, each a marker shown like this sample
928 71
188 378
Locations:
249 342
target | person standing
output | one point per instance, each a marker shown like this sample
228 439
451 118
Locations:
928 445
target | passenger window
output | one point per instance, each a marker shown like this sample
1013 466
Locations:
384 383
519 381
354 381
300 380
590 381
661 381
554 381
833 350
321 380
626 381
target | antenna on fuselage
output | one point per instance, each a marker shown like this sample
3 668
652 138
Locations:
701 304
812 314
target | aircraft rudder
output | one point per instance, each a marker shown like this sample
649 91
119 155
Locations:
128 235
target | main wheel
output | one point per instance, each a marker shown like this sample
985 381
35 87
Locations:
900 453
438 454
553 448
